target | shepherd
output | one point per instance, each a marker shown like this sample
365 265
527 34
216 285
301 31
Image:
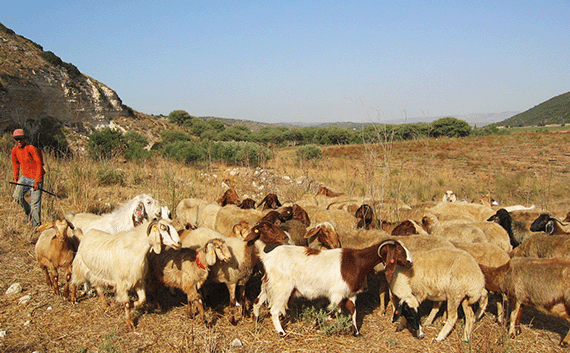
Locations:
29 160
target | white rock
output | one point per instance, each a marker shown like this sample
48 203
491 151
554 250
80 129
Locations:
14 289
23 300
236 343
3 333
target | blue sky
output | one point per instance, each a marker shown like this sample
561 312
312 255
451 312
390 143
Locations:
313 61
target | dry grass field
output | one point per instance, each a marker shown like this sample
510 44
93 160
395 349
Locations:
523 168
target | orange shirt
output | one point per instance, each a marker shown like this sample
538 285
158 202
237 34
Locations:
30 160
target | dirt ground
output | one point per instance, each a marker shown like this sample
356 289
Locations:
46 323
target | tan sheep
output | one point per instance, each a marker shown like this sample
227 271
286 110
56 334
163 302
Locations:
186 269
230 215
197 213
542 245
541 283
439 275
490 255
468 231
461 210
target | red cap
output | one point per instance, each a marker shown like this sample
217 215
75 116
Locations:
18 133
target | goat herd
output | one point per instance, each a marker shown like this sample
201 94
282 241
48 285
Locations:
321 246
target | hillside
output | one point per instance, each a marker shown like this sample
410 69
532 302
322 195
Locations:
554 111
42 93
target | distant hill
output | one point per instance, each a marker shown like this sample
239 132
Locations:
554 111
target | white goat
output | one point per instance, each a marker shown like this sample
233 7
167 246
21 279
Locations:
120 260
129 215
337 274
449 196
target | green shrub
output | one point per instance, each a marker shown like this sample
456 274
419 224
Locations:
180 118
308 152
135 150
239 153
322 320
53 59
105 144
185 151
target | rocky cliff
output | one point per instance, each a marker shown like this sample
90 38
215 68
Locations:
42 94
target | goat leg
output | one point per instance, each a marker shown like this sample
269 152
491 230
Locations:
48 277
128 320
233 302
55 282
51 272
73 294
514 327
101 295
566 340
67 281
244 306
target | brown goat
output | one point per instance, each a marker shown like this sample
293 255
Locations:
365 215
247 204
272 217
230 197
327 192
296 213
270 201
408 227
55 249
322 236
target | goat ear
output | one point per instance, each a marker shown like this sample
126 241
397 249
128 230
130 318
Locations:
45 226
387 254
209 250
70 225
154 237
312 232
139 214
223 253
253 234
549 227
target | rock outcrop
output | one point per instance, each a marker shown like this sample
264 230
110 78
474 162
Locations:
42 94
